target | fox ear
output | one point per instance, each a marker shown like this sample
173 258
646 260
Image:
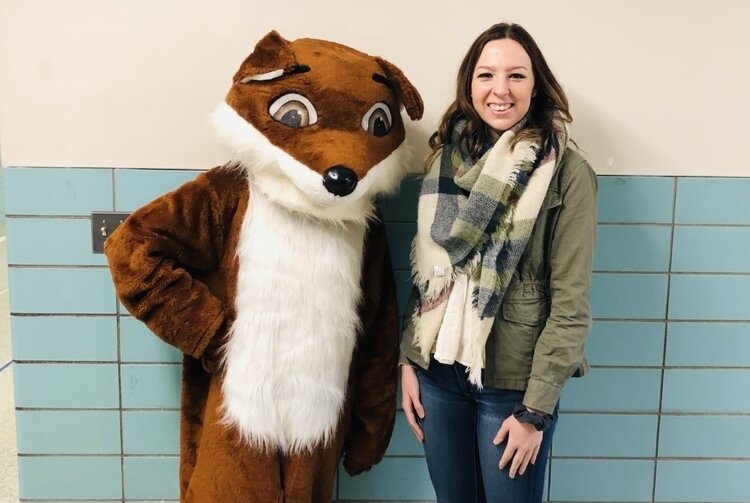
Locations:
272 54
407 93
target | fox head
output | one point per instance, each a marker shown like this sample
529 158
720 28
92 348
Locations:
317 125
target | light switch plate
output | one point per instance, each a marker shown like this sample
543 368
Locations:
102 225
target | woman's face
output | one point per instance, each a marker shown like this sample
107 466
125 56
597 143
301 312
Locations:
502 85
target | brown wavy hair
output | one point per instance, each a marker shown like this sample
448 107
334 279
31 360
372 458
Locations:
549 100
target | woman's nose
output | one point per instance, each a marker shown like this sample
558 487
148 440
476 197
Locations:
501 87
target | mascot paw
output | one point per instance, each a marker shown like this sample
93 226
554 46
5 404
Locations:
354 466
210 362
211 357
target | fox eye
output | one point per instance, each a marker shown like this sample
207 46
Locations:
377 121
293 110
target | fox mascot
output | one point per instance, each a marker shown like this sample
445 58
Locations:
271 274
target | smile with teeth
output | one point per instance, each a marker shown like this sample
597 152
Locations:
500 108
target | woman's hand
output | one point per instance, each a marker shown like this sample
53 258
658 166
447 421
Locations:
522 446
410 400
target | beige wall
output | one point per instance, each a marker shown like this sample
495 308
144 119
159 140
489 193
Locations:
658 87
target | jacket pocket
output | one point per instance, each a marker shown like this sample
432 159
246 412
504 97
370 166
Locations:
527 311
518 326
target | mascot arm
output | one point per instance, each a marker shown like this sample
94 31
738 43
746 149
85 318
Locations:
376 360
157 257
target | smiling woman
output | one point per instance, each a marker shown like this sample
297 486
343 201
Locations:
502 85
502 265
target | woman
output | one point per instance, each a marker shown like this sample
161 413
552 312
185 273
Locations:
502 265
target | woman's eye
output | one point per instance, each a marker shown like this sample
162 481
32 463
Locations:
377 121
484 76
517 76
293 110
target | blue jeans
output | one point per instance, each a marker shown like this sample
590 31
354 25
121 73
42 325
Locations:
459 425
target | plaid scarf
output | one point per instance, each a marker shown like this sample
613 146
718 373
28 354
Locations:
476 219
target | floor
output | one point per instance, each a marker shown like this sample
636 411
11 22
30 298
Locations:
8 465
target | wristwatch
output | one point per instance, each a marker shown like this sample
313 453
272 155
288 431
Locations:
540 421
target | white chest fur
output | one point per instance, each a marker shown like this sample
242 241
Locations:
288 355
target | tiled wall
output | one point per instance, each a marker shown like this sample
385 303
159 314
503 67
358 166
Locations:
2 201
664 416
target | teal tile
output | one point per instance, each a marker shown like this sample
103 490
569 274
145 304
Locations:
64 338
51 241
69 385
637 390
150 386
688 437
392 479
601 480
136 187
66 477
709 297
711 249
139 344
635 199
57 191
708 344
404 286
632 248
636 343
637 296
713 201
706 390
605 435
400 236
403 441
151 478
61 290
68 432
151 432
402 206
699 481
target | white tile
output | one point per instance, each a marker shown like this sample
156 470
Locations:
5 351
8 449
3 264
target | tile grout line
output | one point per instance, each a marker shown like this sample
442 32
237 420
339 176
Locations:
675 185
119 364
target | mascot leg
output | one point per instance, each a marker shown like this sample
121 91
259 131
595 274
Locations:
226 470
309 478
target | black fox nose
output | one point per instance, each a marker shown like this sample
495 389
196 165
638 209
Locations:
340 180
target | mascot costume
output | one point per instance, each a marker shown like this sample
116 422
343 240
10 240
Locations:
271 274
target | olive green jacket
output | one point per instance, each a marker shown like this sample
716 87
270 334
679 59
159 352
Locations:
537 341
